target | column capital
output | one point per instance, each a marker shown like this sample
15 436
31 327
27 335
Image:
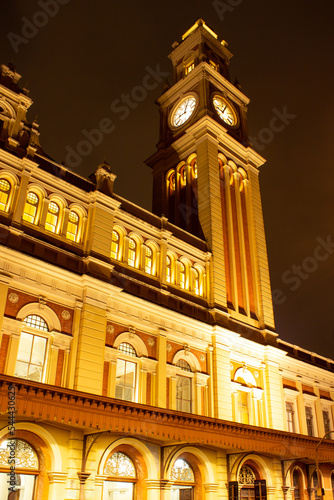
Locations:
57 477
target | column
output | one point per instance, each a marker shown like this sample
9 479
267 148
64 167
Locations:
12 353
21 197
222 380
74 345
91 340
273 380
211 491
160 389
57 482
52 365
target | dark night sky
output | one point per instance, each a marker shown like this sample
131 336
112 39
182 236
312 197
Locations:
90 53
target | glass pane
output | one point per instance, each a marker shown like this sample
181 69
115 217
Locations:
113 490
38 351
25 347
25 484
182 471
21 369
35 373
130 374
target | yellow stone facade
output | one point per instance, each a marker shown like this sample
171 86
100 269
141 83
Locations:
138 352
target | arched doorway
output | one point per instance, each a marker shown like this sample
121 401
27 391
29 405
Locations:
21 482
121 477
250 484
184 480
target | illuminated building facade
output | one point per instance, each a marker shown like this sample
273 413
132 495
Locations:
140 348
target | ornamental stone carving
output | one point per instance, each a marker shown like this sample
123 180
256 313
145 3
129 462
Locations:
13 298
65 315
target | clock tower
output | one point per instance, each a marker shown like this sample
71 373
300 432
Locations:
205 177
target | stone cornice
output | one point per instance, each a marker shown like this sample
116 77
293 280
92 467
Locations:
61 406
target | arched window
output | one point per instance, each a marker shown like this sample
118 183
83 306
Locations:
181 471
148 260
132 253
30 361
72 232
182 276
121 474
5 191
246 480
309 420
183 477
115 245
183 387
290 416
196 282
30 211
26 465
168 269
52 217
126 374
297 485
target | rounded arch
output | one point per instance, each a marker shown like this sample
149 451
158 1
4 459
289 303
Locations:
141 448
191 157
8 108
189 357
195 458
37 189
246 376
152 252
38 436
134 340
58 198
10 177
46 313
260 465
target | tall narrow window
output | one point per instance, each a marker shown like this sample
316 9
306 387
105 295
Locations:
31 357
183 388
168 269
132 254
115 240
72 226
52 217
309 420
189 67
182 275
5 189
196 282
296 485
243 407
31 208
122 473
290 417
126 374
148 260
327 422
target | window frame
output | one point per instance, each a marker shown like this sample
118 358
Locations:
184 375
35 333
37 215
128 359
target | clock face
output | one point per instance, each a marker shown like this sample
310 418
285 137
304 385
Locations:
225 110
183 111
